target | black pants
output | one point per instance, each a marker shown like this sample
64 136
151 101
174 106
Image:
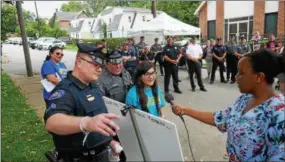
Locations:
232 61
221 66
195 68
159 60
170 70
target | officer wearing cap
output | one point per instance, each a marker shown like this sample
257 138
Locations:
231 48
219 54
171 55
76 115
115 80
243 48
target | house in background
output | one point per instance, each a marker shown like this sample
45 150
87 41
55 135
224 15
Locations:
225 18
80 28
64 18
120 20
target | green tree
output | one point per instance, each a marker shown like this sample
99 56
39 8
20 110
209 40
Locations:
72 6
8 20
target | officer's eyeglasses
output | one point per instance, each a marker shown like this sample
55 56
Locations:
150 74
91 62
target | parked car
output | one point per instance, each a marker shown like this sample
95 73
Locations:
34 44
48 44
66 40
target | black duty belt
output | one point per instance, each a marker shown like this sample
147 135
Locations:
84 156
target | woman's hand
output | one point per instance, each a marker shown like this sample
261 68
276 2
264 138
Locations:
178 110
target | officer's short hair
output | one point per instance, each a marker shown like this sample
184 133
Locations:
156 39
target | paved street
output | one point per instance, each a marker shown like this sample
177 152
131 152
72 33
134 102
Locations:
207 142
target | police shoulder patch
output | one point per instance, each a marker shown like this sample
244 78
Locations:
57 94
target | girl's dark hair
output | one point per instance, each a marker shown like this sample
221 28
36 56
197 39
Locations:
52 49
267 62
142 69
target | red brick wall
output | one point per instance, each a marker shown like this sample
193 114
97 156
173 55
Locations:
220 18
281 19
259 17
203 21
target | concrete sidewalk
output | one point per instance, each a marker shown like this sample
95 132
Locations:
31 88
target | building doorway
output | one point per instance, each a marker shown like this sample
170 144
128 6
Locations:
238 29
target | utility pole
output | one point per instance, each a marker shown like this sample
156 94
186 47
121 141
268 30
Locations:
153 8
24 39
39 27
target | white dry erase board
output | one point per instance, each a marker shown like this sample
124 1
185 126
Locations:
156 139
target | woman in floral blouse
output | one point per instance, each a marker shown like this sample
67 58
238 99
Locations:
255 123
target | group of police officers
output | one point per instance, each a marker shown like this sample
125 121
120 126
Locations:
76 115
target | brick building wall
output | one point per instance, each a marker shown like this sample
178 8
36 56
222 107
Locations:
259 16
281 19
220 18
203 21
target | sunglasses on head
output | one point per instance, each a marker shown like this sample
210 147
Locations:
58 54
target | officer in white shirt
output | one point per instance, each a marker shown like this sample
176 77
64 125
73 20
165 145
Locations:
194 54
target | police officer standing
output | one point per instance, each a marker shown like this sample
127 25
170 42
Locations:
219 54
231 59
156 49
76 115
115 80
171 55
243 48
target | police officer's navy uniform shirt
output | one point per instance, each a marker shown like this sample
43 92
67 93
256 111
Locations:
172 52
72 97
50 67
219 50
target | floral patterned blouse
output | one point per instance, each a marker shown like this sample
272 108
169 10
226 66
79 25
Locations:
257 135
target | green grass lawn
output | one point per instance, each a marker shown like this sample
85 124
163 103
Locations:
71 47
23 136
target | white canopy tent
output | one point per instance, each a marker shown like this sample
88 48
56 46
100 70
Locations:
164 25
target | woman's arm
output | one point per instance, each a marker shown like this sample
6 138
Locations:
162 113
205 117
52 78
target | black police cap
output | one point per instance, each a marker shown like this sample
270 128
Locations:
95 53
114 57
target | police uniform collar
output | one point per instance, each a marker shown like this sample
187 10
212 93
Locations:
76 81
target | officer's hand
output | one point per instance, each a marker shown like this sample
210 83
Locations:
102 124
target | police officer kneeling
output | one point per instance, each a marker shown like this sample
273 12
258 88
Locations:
76 115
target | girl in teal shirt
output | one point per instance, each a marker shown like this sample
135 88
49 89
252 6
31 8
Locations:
145 94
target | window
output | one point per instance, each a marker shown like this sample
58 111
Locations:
143 18
270 23
212 29
89 23
109 20
130 19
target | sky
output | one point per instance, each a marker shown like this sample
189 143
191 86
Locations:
46 9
